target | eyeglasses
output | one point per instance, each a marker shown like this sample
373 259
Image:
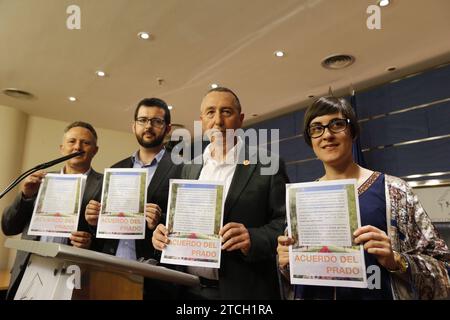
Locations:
154 122
335 126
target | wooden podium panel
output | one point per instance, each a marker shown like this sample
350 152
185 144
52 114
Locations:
106 285
101 276
5 276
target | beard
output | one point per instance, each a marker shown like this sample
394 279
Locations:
156 142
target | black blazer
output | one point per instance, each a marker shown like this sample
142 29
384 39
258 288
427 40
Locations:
258 202
157 192
17 217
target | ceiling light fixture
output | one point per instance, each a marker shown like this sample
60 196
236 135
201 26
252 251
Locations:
279 54
170 107
214 86
72 99
143 35
383 3
18 94
100 73
338 61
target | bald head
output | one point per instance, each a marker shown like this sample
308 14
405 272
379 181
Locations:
236 102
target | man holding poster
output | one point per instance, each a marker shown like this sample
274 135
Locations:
151 124
254 211
78 136
403 253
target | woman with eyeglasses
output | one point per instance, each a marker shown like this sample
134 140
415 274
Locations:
396 232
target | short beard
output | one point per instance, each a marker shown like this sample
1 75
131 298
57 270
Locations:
152 144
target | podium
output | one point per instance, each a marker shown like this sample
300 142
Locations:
62 272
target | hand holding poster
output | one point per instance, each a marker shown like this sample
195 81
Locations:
122 213
322 217
57 208
194 219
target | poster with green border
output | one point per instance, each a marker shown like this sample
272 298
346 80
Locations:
322 217
194 219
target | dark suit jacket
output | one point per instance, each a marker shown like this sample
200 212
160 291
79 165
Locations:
258 202
17 217
157 192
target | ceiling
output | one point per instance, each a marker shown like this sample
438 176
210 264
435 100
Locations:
195 43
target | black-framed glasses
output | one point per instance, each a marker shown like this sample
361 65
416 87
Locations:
337 125
154 122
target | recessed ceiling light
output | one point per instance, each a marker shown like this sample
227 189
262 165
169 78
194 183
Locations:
391 69
214 86
383 3
100 73
279 54
170 107
338 61
72 99
18 94
144 35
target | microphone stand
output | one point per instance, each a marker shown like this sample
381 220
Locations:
37 168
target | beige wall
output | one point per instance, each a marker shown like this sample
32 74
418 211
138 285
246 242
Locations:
12 133
30 140
44 136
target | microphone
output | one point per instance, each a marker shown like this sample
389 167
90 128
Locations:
56 161
37 168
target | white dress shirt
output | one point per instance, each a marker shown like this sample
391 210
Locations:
214 170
